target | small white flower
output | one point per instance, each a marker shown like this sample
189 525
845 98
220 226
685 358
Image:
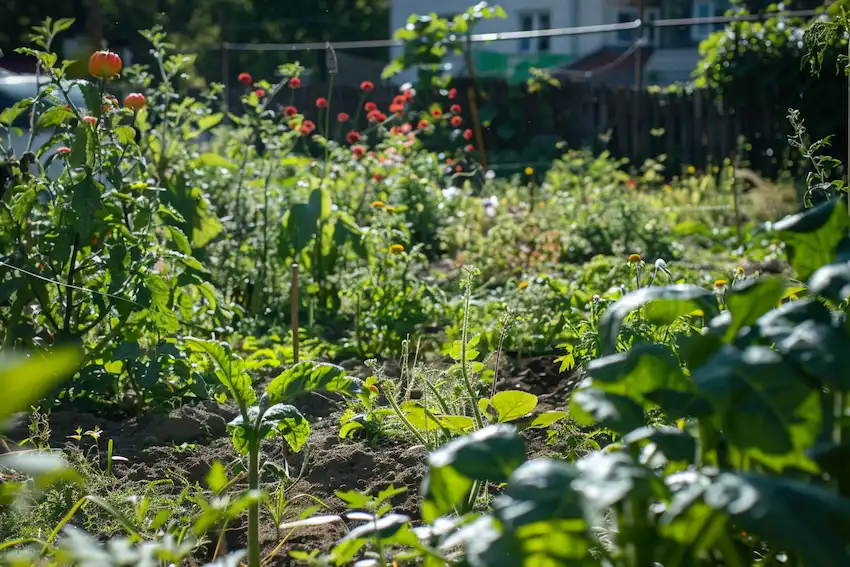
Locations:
660 264
490 175
596 298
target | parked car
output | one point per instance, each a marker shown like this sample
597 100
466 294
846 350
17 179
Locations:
15 87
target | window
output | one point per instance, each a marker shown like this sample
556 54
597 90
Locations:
702 9
532 21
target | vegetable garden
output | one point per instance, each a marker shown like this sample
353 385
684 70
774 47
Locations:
293 336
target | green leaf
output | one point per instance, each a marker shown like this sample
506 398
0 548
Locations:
547 419
44 468
675 444
53 117
832 282
610 477
810 521
213 160
321 204
23 199
279 420
306 377
125 134
492 453
618 413
83 147
216 478
646 367
300 224
11 114
812 236
180 240
749 300
91 96
24 380
513 404
86 204
663 306
763 402
230 370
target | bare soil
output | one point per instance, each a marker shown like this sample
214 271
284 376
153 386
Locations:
152 446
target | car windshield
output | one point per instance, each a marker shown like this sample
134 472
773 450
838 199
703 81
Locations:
15 88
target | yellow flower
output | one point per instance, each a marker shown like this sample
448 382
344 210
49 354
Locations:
740 271
720 284
396 248
634 258
692 169
668 188
523 285
377 204
529 171
390 209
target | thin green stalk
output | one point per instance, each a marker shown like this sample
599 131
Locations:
328 129
464 371
403 418
254 509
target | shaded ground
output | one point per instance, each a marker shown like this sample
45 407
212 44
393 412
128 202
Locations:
152 445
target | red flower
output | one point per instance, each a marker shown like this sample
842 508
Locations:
395 131
382 117
294 83
455 109
367 86
449 161
408 95
370 106
397 108
353 137
105 64
458 168
436 113
92 121
372 116
321 103
377 177
134 101
467 134
469 148
342 117
452 94
246 79
63 151
260 93
423 125
358 151
307 127
290 111
631 184
456 121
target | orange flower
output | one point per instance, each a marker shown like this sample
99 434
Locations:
523 284
396 249
634 259
135 101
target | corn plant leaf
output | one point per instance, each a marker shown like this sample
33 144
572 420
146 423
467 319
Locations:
663 306
812 236
299 225
306 377
321 204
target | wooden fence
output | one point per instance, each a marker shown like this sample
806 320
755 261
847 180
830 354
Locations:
688 128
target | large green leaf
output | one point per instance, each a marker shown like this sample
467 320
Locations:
321 204
25 379
490 454
618 413
796 515
749 300
644 368
53 117
675 444
513 404
306 377
663 306
279 420
832 282
763 402
83 147
230 369
812 236
610 477
86 203
299 224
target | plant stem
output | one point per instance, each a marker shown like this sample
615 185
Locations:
295 312
400 414
464 371
254 509
69 290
